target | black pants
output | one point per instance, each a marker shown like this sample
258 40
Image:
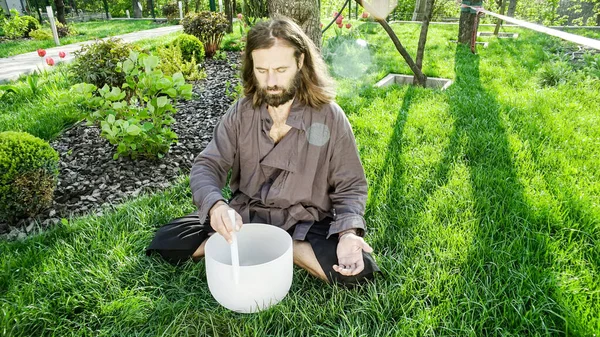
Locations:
179 239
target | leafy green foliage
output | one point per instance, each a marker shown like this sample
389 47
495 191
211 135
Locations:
191 47
41 34
209 27
170 10
97 63
172 61
17 26
32 24
29 169
64 31
137 118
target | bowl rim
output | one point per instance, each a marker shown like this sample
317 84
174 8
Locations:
252 224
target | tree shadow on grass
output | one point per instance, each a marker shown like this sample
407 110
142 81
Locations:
507 286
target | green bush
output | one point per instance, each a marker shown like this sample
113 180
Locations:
40 34
209 27
170 10
172 61
137 118
97 63
64 31
15 27
555 73
29 169
32 24
190 46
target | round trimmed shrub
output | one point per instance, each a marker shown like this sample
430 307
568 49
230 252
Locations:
32 24
96 63
190 46
28 175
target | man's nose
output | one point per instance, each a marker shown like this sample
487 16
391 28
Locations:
271 79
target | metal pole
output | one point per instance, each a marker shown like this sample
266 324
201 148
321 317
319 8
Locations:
213 6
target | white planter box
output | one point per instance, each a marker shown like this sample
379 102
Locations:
432 82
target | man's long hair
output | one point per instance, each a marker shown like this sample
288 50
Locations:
316 86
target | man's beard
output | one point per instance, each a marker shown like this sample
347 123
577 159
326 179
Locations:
284 96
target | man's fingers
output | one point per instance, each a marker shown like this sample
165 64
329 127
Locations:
366 247
349 269
225 228
238 222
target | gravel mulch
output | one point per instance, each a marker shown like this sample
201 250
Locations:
89 178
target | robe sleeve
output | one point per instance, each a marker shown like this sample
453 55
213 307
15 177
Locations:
209 170
348 184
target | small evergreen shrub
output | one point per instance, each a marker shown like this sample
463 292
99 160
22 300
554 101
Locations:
170 10
190 46
172 61
32 24
40 34
29 173
64 30
97 63
208 27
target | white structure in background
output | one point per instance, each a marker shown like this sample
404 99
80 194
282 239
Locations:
7 5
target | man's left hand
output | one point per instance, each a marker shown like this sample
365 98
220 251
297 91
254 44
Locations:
349 252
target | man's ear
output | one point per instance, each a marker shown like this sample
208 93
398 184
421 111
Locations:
300 61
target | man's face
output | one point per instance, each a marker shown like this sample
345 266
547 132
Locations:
277 73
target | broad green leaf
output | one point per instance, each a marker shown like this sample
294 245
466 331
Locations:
162 101
178 79
147 126
171 92
150 62
128 66
111 119
134 130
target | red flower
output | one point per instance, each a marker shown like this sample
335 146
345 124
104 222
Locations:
335 14
340 25
321 25
41 52
62 54
49 61
339 20
348 25
365 15
240 16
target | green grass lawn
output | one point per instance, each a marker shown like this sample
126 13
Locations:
483 211
86 31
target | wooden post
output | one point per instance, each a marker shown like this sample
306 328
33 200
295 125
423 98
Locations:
52 24
502 7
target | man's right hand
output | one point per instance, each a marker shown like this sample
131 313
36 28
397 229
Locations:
219 220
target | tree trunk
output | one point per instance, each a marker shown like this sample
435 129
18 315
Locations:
465 26
60 11
229 15
423 37
304 12
499 23
420 78
186 7
137 12
598 19
419 12
512 6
